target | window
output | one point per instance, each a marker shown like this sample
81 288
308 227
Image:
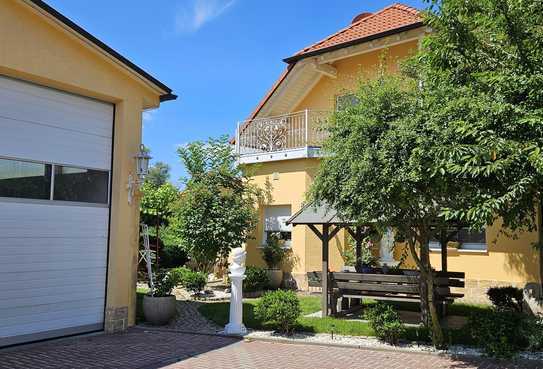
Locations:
275 218
81 185
41 181
468 240
25 180
345 101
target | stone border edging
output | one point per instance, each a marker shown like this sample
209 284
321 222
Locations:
415 349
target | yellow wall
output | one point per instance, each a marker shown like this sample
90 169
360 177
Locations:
507 259
35 49
288 188
350 71
510 259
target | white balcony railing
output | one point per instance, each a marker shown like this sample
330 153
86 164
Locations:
280 133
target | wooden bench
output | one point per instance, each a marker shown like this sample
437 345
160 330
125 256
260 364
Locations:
393 287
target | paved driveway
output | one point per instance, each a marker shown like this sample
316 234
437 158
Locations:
165 349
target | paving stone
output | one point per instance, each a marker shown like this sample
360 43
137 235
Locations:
154 349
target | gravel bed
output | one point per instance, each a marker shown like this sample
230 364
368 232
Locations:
373 343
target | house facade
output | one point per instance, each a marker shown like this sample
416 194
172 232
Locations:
281 143
70 122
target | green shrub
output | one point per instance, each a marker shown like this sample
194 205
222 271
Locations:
385 322
256 279
191 280
500 334
172 256
165 282
280 308
273 253
180 273
506 298
194 281
534 333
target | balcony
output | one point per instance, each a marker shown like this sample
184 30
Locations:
288 136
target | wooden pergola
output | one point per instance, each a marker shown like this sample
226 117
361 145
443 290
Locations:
331 222
323 215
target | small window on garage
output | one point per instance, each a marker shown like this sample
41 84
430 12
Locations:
275 218
25 180
81 185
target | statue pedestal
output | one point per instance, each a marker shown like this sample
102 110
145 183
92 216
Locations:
235 326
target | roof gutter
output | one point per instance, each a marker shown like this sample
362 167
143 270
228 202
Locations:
127 63
343 45
167 97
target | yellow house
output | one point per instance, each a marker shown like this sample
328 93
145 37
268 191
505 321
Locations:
70 122
281 145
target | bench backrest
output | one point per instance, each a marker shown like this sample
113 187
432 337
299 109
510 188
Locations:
387 283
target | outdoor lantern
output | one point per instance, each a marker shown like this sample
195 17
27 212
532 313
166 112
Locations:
142 162
142 169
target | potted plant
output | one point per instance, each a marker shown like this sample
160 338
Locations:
367 261
273 254
455 245
159 304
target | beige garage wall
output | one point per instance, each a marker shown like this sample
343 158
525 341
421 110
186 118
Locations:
36 49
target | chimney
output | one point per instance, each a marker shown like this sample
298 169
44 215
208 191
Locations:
361 16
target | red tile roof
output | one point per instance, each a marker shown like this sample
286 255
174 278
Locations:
394 18
391 18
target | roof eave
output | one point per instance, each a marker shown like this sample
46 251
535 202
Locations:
298 57
167 96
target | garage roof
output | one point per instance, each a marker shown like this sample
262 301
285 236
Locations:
168 95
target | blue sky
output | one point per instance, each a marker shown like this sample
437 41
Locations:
219 56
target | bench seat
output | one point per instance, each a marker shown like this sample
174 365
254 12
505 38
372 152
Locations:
396 287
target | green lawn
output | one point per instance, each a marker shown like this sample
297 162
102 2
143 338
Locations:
218 313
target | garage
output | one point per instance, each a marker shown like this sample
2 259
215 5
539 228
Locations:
55 175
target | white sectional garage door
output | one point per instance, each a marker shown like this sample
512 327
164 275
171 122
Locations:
55 168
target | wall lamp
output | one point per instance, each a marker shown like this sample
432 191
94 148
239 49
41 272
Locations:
142 169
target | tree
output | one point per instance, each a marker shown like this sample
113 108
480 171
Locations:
159 174
217 209
156 204
463 146
482 74
379 167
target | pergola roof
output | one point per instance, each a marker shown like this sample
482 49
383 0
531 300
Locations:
318 213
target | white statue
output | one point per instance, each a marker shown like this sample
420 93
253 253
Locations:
237 275
386 245
238 262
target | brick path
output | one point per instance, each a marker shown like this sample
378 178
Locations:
173 350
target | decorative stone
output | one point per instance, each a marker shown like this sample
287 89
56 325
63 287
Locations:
116 319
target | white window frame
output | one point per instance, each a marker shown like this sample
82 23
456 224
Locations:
465 246
282 214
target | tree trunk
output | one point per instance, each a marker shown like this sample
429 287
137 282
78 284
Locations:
438 338
424 289
429 312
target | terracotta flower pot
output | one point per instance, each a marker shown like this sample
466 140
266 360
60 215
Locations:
158 310
276 277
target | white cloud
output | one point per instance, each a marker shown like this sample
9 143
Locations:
148 116
195 13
